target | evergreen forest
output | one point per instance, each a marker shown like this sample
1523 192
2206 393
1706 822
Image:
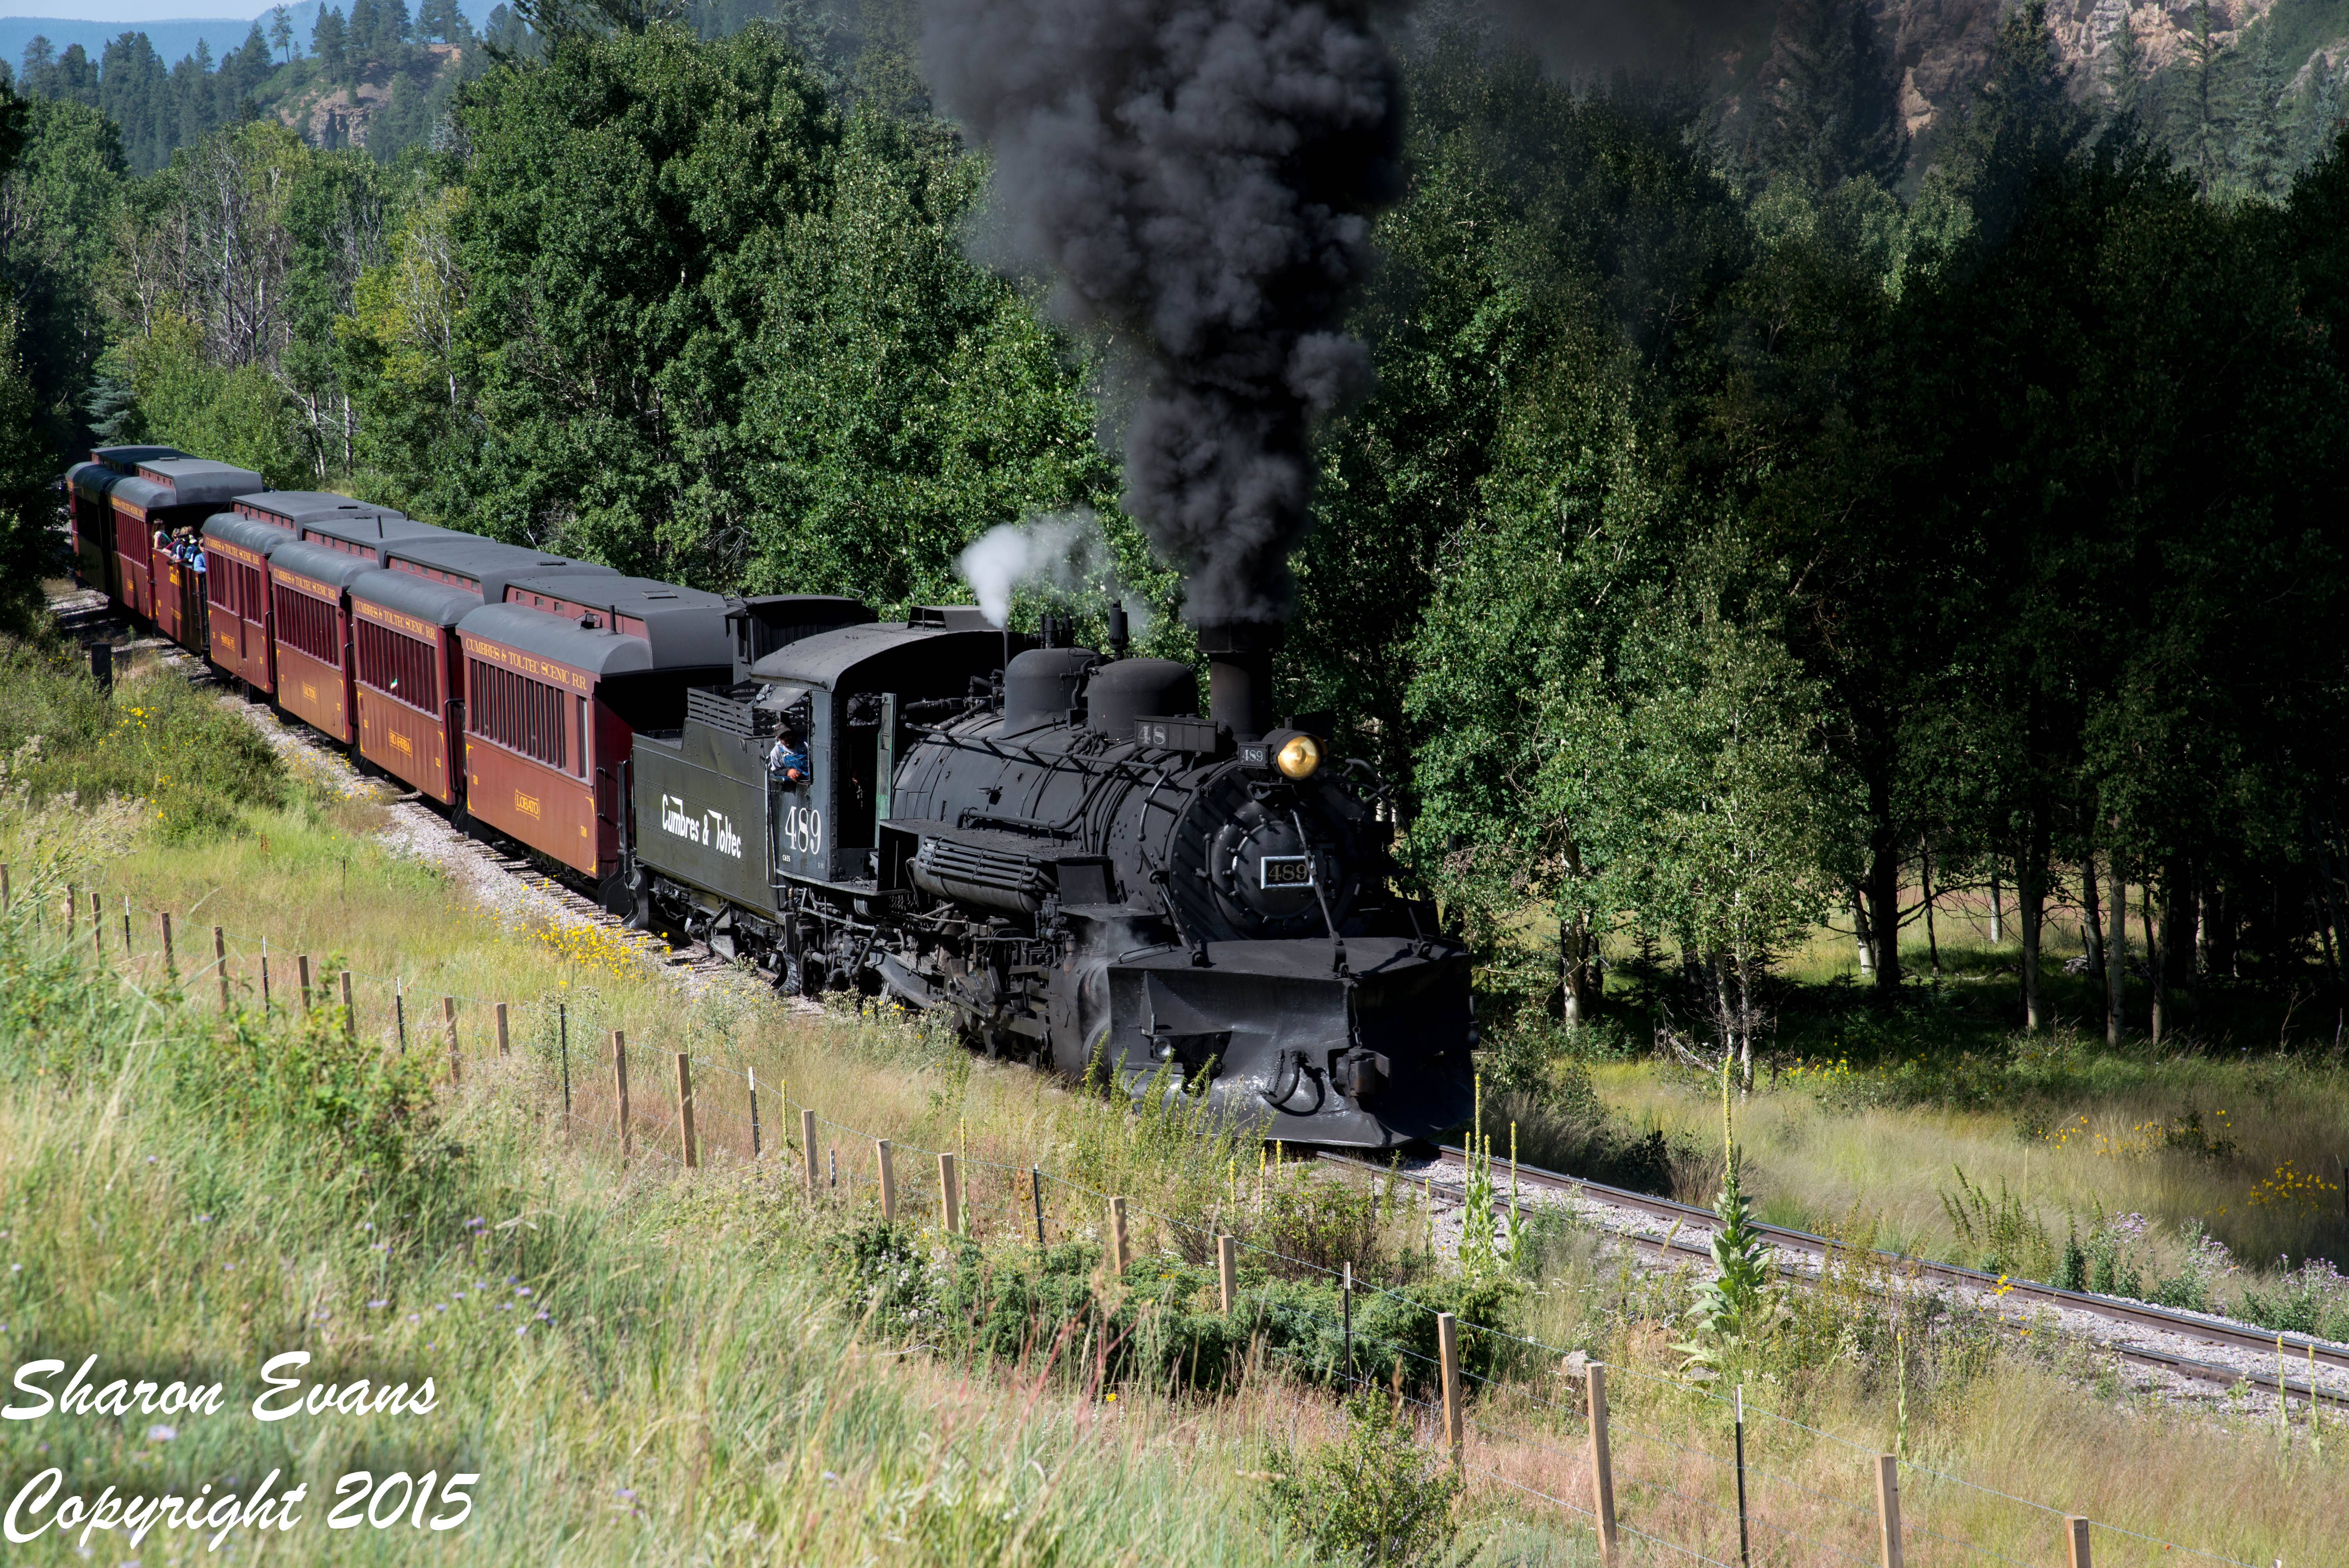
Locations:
1755 523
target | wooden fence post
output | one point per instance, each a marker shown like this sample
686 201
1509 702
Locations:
1602 1473
620 1083
1227 1259
1447 1349
448 1020
685 1110
98 925
170 964
73 908
302 968
807 1147
888 1182
1888 1506
220 963
503 1049
2075 1536
949 1197
1119 1254
350 1013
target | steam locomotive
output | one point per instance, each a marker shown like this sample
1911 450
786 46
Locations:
1052 848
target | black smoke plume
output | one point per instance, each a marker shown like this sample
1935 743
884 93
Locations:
1198 175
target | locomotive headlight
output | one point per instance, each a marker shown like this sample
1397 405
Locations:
1299 758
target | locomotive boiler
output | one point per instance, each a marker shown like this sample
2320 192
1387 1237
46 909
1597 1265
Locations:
1057 851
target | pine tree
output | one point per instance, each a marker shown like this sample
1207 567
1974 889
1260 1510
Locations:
366 28
1833 113
442 20
330 41
2127 88
2320 117
2261 156
281 33
40 64
2206 143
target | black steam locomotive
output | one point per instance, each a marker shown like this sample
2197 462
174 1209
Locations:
1059 852
1054 849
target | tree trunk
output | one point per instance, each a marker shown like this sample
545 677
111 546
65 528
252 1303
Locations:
2031 899
2181 932
2218 931
2092 908
1884 908
2329 911
1746 1022
1860 931
2154 953
2117 954
1925 874
1574 952
1995 916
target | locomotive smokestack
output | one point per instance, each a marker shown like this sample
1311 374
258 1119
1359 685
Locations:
1239 674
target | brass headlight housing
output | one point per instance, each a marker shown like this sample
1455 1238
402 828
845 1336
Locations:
1299 758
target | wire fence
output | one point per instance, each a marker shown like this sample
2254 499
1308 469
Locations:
650 1120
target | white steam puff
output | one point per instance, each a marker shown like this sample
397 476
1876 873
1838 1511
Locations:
1062 550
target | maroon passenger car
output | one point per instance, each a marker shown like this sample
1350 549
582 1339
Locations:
310 631
237 546
169 494
408 662
558 679
89 489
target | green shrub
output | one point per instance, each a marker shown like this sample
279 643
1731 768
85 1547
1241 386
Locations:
1374 1496
1162 1323
155 738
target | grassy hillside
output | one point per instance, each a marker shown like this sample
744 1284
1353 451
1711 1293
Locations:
643 1364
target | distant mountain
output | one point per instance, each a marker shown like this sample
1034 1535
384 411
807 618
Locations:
177 36
171 39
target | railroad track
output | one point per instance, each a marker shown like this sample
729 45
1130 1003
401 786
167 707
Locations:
1449 1175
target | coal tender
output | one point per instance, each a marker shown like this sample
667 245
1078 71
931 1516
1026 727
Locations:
1065 857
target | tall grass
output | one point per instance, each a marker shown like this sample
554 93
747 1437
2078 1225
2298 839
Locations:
724 1371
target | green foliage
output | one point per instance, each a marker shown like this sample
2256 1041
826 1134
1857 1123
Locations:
2004 1237
685 316
887 1276
2313 1299
192 763
62 196
1056 1310
185 400
1743 1300
1374 1496
29 548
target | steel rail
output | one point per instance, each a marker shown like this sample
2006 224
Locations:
2296 1347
